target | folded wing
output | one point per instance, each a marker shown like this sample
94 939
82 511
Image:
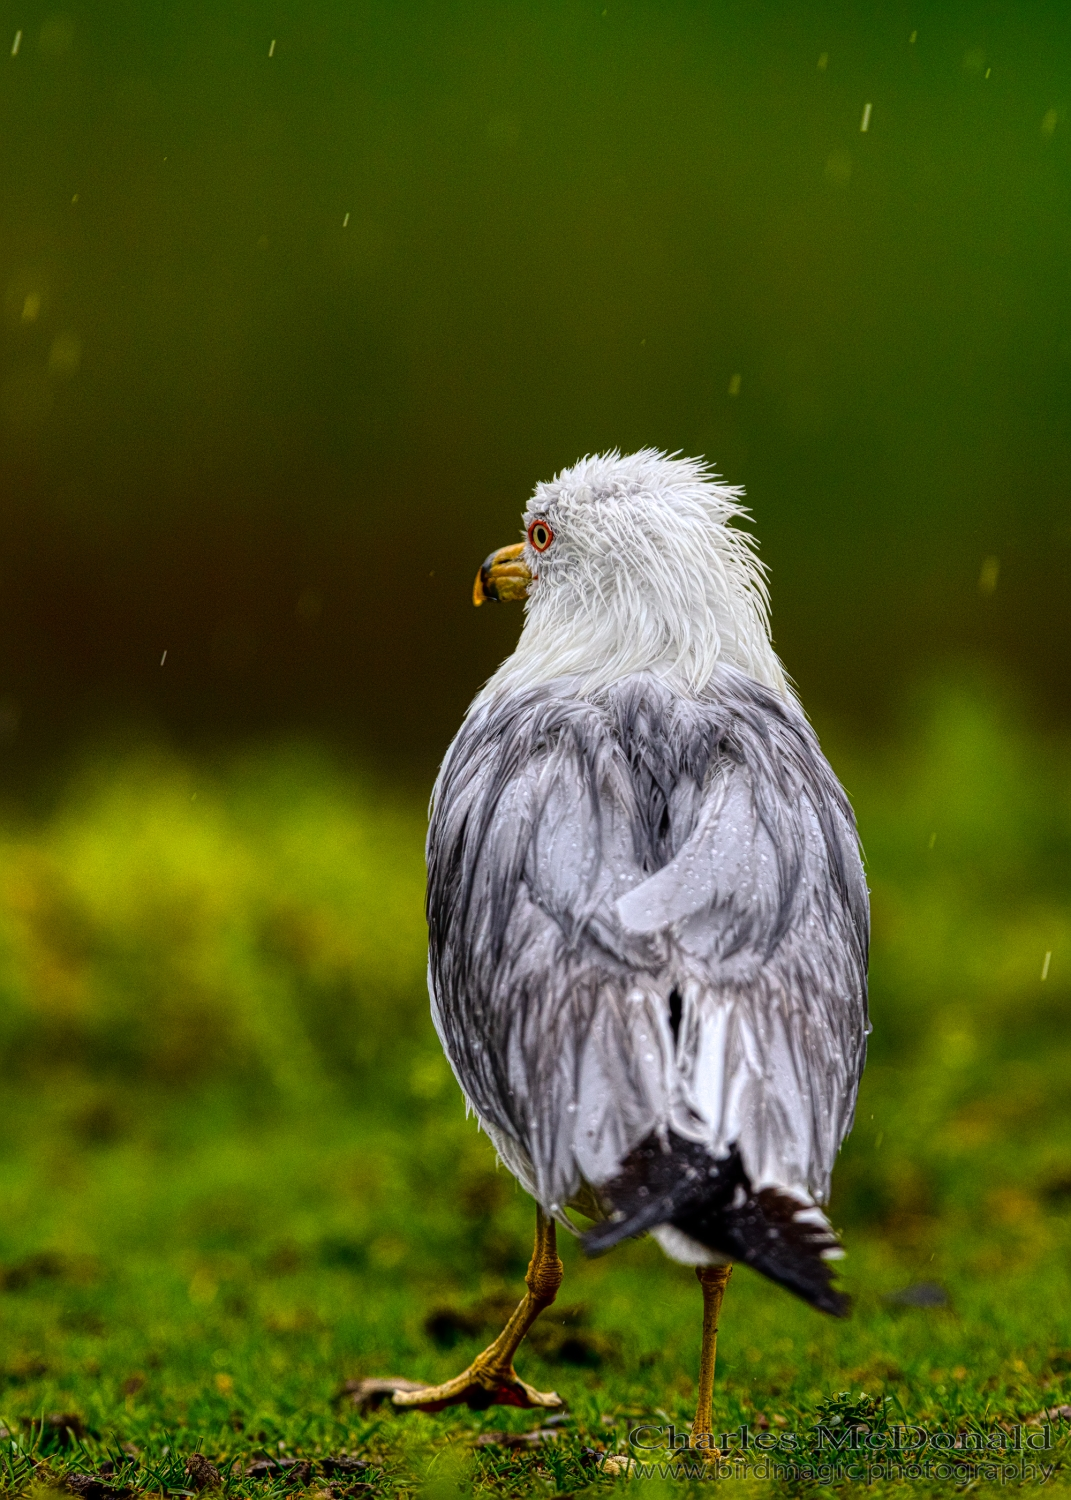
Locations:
648 915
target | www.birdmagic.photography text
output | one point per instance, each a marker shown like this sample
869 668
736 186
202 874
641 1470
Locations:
960 1470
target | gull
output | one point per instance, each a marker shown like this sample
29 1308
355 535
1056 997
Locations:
648 918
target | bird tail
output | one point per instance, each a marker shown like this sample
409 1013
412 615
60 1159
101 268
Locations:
677 1182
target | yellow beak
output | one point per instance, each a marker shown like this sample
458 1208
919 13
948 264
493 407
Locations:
502 577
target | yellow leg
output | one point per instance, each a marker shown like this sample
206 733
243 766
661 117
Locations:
713 1280
491 1379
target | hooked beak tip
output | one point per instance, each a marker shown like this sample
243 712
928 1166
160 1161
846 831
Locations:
483 590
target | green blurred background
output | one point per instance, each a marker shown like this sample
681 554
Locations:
299 301
288 338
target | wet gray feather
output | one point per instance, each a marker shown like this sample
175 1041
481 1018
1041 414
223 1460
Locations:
589 856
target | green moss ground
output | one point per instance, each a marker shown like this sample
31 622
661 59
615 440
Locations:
235 1172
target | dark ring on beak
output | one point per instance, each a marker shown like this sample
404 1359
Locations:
490 591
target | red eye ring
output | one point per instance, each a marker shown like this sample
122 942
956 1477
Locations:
540 535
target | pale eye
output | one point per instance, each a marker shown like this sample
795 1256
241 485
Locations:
540 535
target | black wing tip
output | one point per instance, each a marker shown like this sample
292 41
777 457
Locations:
620 1227
814 1289
822 1295
600 1241
711 1200
774 1233
836 1303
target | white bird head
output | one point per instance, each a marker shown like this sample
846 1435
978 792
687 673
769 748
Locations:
631 564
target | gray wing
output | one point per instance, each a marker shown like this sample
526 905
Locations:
768 907
648 913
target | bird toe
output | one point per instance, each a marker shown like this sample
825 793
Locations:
477 1391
